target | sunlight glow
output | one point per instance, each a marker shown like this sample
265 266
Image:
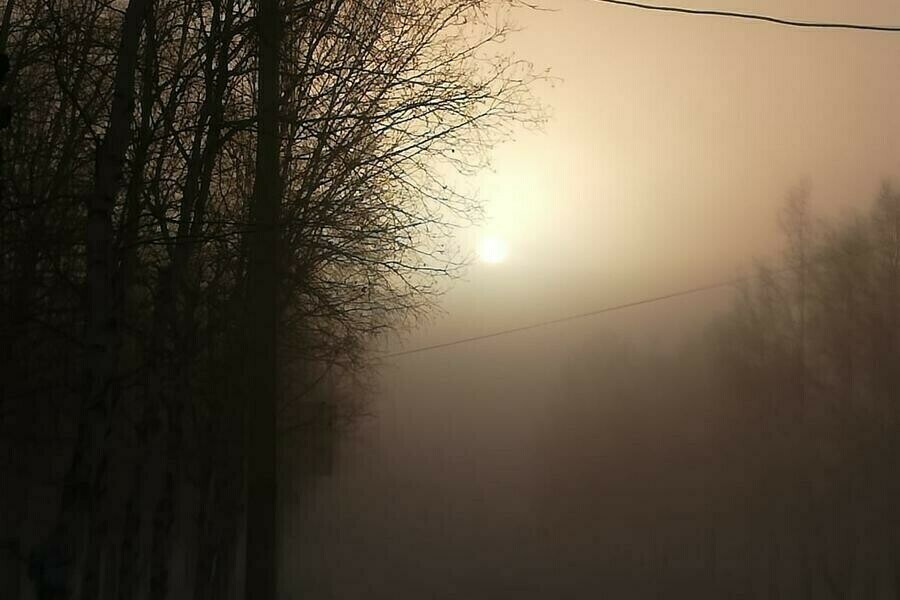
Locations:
493 250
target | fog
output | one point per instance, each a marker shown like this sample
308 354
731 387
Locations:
449 299
489 469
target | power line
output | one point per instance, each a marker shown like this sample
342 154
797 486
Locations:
607 309
749 16
690 291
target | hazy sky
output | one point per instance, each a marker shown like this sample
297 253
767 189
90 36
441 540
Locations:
672 142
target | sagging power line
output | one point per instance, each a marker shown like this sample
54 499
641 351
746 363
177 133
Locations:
750 16
726 283
593 313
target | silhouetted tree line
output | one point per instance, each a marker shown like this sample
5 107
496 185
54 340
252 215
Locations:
761 460
185 209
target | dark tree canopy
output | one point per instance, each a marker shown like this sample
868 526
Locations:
127 246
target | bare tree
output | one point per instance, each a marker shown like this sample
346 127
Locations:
238 183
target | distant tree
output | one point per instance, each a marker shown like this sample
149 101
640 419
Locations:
767 468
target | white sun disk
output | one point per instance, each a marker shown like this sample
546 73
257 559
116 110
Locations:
493 250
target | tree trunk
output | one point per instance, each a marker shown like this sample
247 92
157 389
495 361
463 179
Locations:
77 526
260 391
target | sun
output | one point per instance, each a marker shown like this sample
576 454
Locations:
493 250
